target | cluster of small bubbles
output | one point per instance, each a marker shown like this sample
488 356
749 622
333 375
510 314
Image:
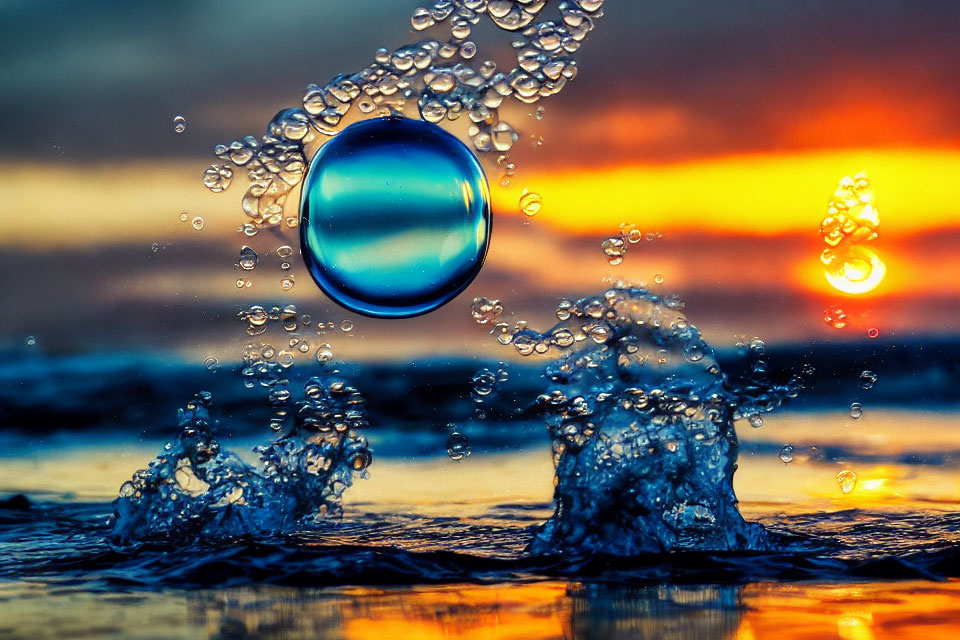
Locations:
867 380
630 233
179 124
443 78
507 169
217 177
637 396
856 410
30 341
212 364
847 480
248 258
530 203
195 488
155 247
286 283
243 283
257 318
458 445
485 382
485 310
873 332
536 141
851 222
786 454
835 317
197 223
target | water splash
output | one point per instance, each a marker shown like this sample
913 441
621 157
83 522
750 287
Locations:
642 424
197 491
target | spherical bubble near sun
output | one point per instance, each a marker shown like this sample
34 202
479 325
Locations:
395 217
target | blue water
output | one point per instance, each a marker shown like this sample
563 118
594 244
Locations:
395 217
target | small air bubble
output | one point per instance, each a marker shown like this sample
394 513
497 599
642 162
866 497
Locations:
179 124
856 410
847 480
786 453
197 223
458 446
867 380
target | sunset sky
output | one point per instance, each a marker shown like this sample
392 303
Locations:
723 126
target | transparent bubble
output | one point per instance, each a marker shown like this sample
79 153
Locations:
755 420
458 446
30 341
248 258
212 364
856 410
286 283
324 353
155 247
614 249
786 453
346 326
658 278
179 124
873 332
530 203
539 112
418 205
197 223
867 380
847 480
243 282
284 251
184 216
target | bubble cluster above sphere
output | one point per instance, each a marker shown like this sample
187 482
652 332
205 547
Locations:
395 217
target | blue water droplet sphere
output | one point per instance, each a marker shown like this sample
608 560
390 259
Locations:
394 217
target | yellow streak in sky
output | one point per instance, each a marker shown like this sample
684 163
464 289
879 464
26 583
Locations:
762 194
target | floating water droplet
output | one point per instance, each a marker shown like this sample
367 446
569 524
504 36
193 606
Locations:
538 112
212 364
755 420
847 480
867 380
786 453
835 317
286 283
458 446
248 258
324 354
197 223
179 124
530 203
856 410
395 217
614 250
873 332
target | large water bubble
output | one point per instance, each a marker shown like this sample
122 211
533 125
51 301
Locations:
395 217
